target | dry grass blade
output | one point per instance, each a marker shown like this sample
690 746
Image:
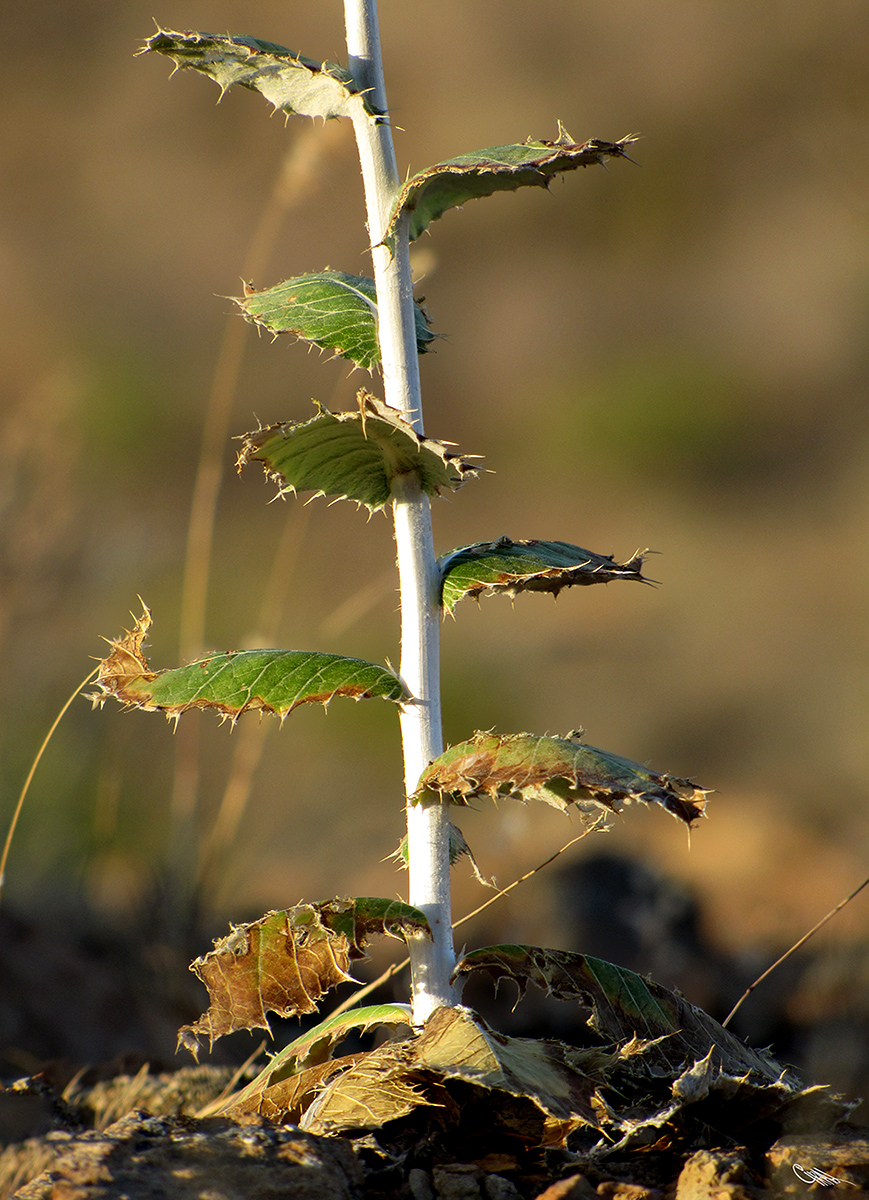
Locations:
18 807
792 950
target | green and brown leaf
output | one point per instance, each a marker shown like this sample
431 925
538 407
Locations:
273 681
671 1069
624 1006
505 567
353 455
559 771
283 1089
285 962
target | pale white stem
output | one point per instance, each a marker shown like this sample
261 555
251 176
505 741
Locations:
428 824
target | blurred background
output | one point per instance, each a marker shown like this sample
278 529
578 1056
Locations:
669 355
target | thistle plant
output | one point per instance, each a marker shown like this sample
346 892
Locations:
380 456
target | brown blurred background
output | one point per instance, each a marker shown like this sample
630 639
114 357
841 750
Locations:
670 355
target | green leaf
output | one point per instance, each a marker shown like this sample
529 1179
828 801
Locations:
269 1094
559 771
287 960
333 310
353 456
288 81
505 566
431 192
275 681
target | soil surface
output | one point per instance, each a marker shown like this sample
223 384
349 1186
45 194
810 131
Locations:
76 1146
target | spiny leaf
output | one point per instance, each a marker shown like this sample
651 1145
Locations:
275 681
624 1006
531 1087
672 1070
330 309
287 960
431 192
354 455
273 1093
559 771
288 81
505 566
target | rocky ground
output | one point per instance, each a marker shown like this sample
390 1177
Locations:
75 1149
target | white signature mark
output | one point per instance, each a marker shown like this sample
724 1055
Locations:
813 1175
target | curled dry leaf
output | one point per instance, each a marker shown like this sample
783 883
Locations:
530 1085
633 1013
560 771
285 962
273 681
280 1091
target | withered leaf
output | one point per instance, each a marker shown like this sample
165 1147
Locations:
672 1070
279 1089
456 1045
286 961
559 771
624 1006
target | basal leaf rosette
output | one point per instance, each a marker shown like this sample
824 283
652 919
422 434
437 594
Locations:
507 567
431 192
238 681
330 309
561 771
353 455
650 1066
286 961
290 82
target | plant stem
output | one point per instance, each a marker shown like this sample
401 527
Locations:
428 825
